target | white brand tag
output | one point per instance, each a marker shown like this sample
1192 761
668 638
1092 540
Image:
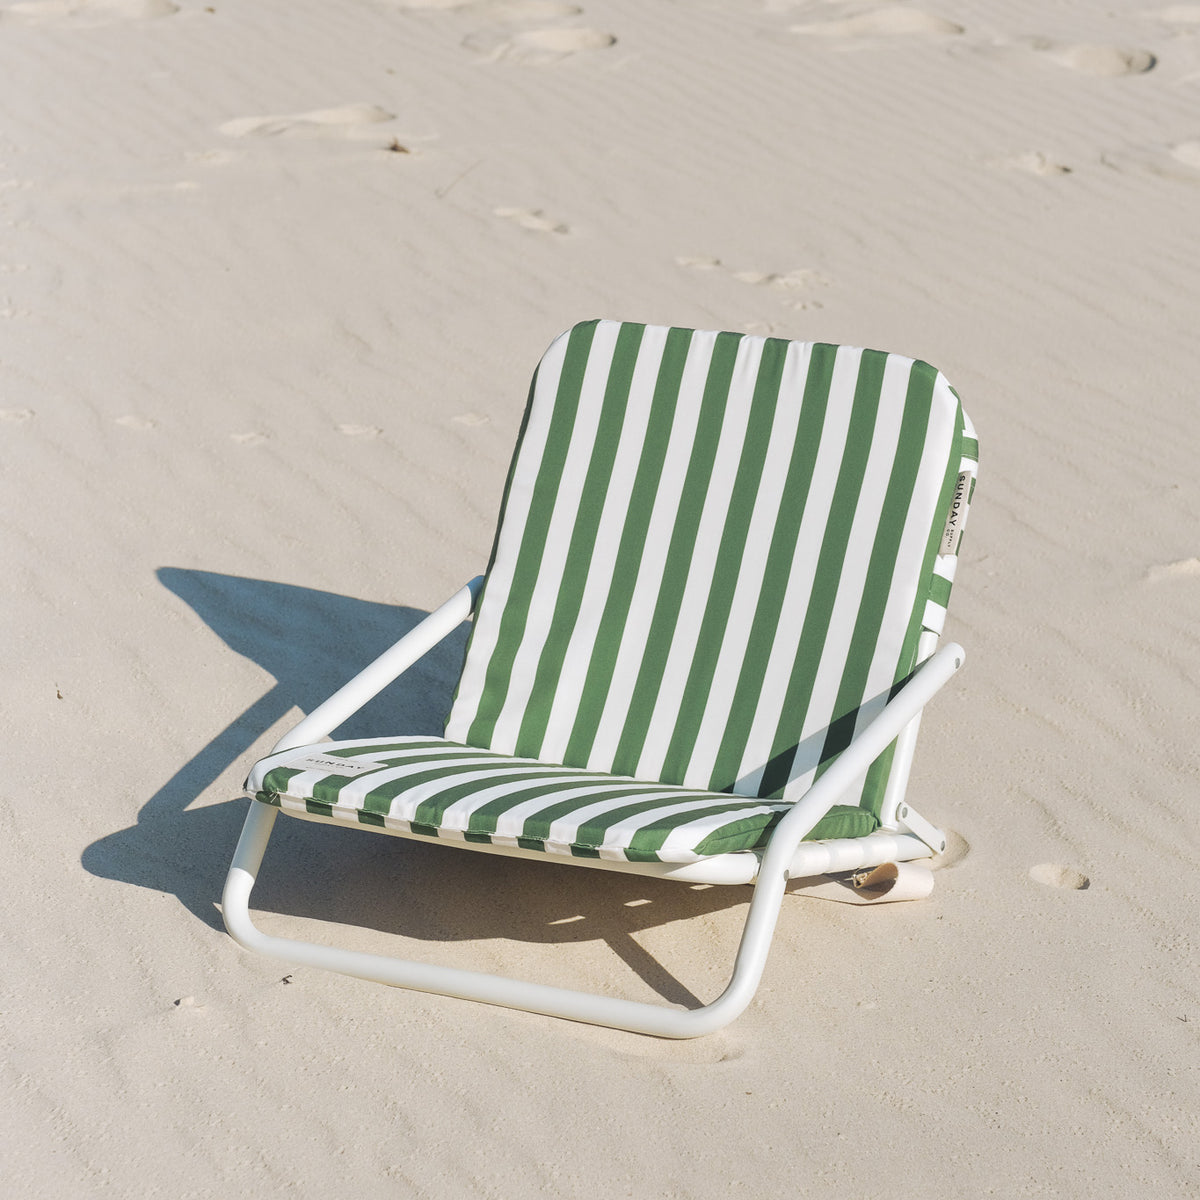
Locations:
957 515
330 764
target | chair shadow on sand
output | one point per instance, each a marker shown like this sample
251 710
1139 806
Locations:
310 642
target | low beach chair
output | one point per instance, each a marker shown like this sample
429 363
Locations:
700 649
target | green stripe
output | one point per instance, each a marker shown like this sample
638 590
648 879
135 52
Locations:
277 779
830 560
877 775
526 787
906 466
727 568
841 821
767 612
594 830
631 549
650 839
533 536
945 496
380 799
679 553
651 835
520 785
574 575
939 591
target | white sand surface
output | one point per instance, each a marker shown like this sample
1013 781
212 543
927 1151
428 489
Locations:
273 277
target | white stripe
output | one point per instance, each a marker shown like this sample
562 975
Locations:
356 791
283 757
698 586
933 618
565 514
616 793
566 828
752 575
303 783
946 566
458 815
801 574
630 449
624 831
569 787
512 821
868 510
499 583
658 537
910 553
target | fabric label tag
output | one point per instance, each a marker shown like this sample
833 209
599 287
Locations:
956 516
330 765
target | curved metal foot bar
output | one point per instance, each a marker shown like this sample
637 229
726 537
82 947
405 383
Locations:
631 1015
495 989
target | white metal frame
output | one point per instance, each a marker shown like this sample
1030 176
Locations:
904 836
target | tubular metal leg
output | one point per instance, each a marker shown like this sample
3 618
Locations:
631 1015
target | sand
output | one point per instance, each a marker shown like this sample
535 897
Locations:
273 277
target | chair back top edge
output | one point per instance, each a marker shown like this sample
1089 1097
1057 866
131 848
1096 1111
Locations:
715 556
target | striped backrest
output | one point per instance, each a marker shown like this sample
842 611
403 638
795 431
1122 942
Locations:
715 556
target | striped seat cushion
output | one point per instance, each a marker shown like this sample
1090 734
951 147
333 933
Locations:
431 787
715 557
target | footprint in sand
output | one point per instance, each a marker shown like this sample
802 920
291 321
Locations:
790 283
892 20
497 10
521 10
498 41
698 262
533 219
1179 161
210 158
1099 61
350 120
1034 162
1178 14
535 47
88 13
1084 58
1185 568
782 281
1187 154
1055 875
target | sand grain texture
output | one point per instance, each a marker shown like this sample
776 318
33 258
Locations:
262 374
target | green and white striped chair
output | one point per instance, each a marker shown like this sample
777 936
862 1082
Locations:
700 649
